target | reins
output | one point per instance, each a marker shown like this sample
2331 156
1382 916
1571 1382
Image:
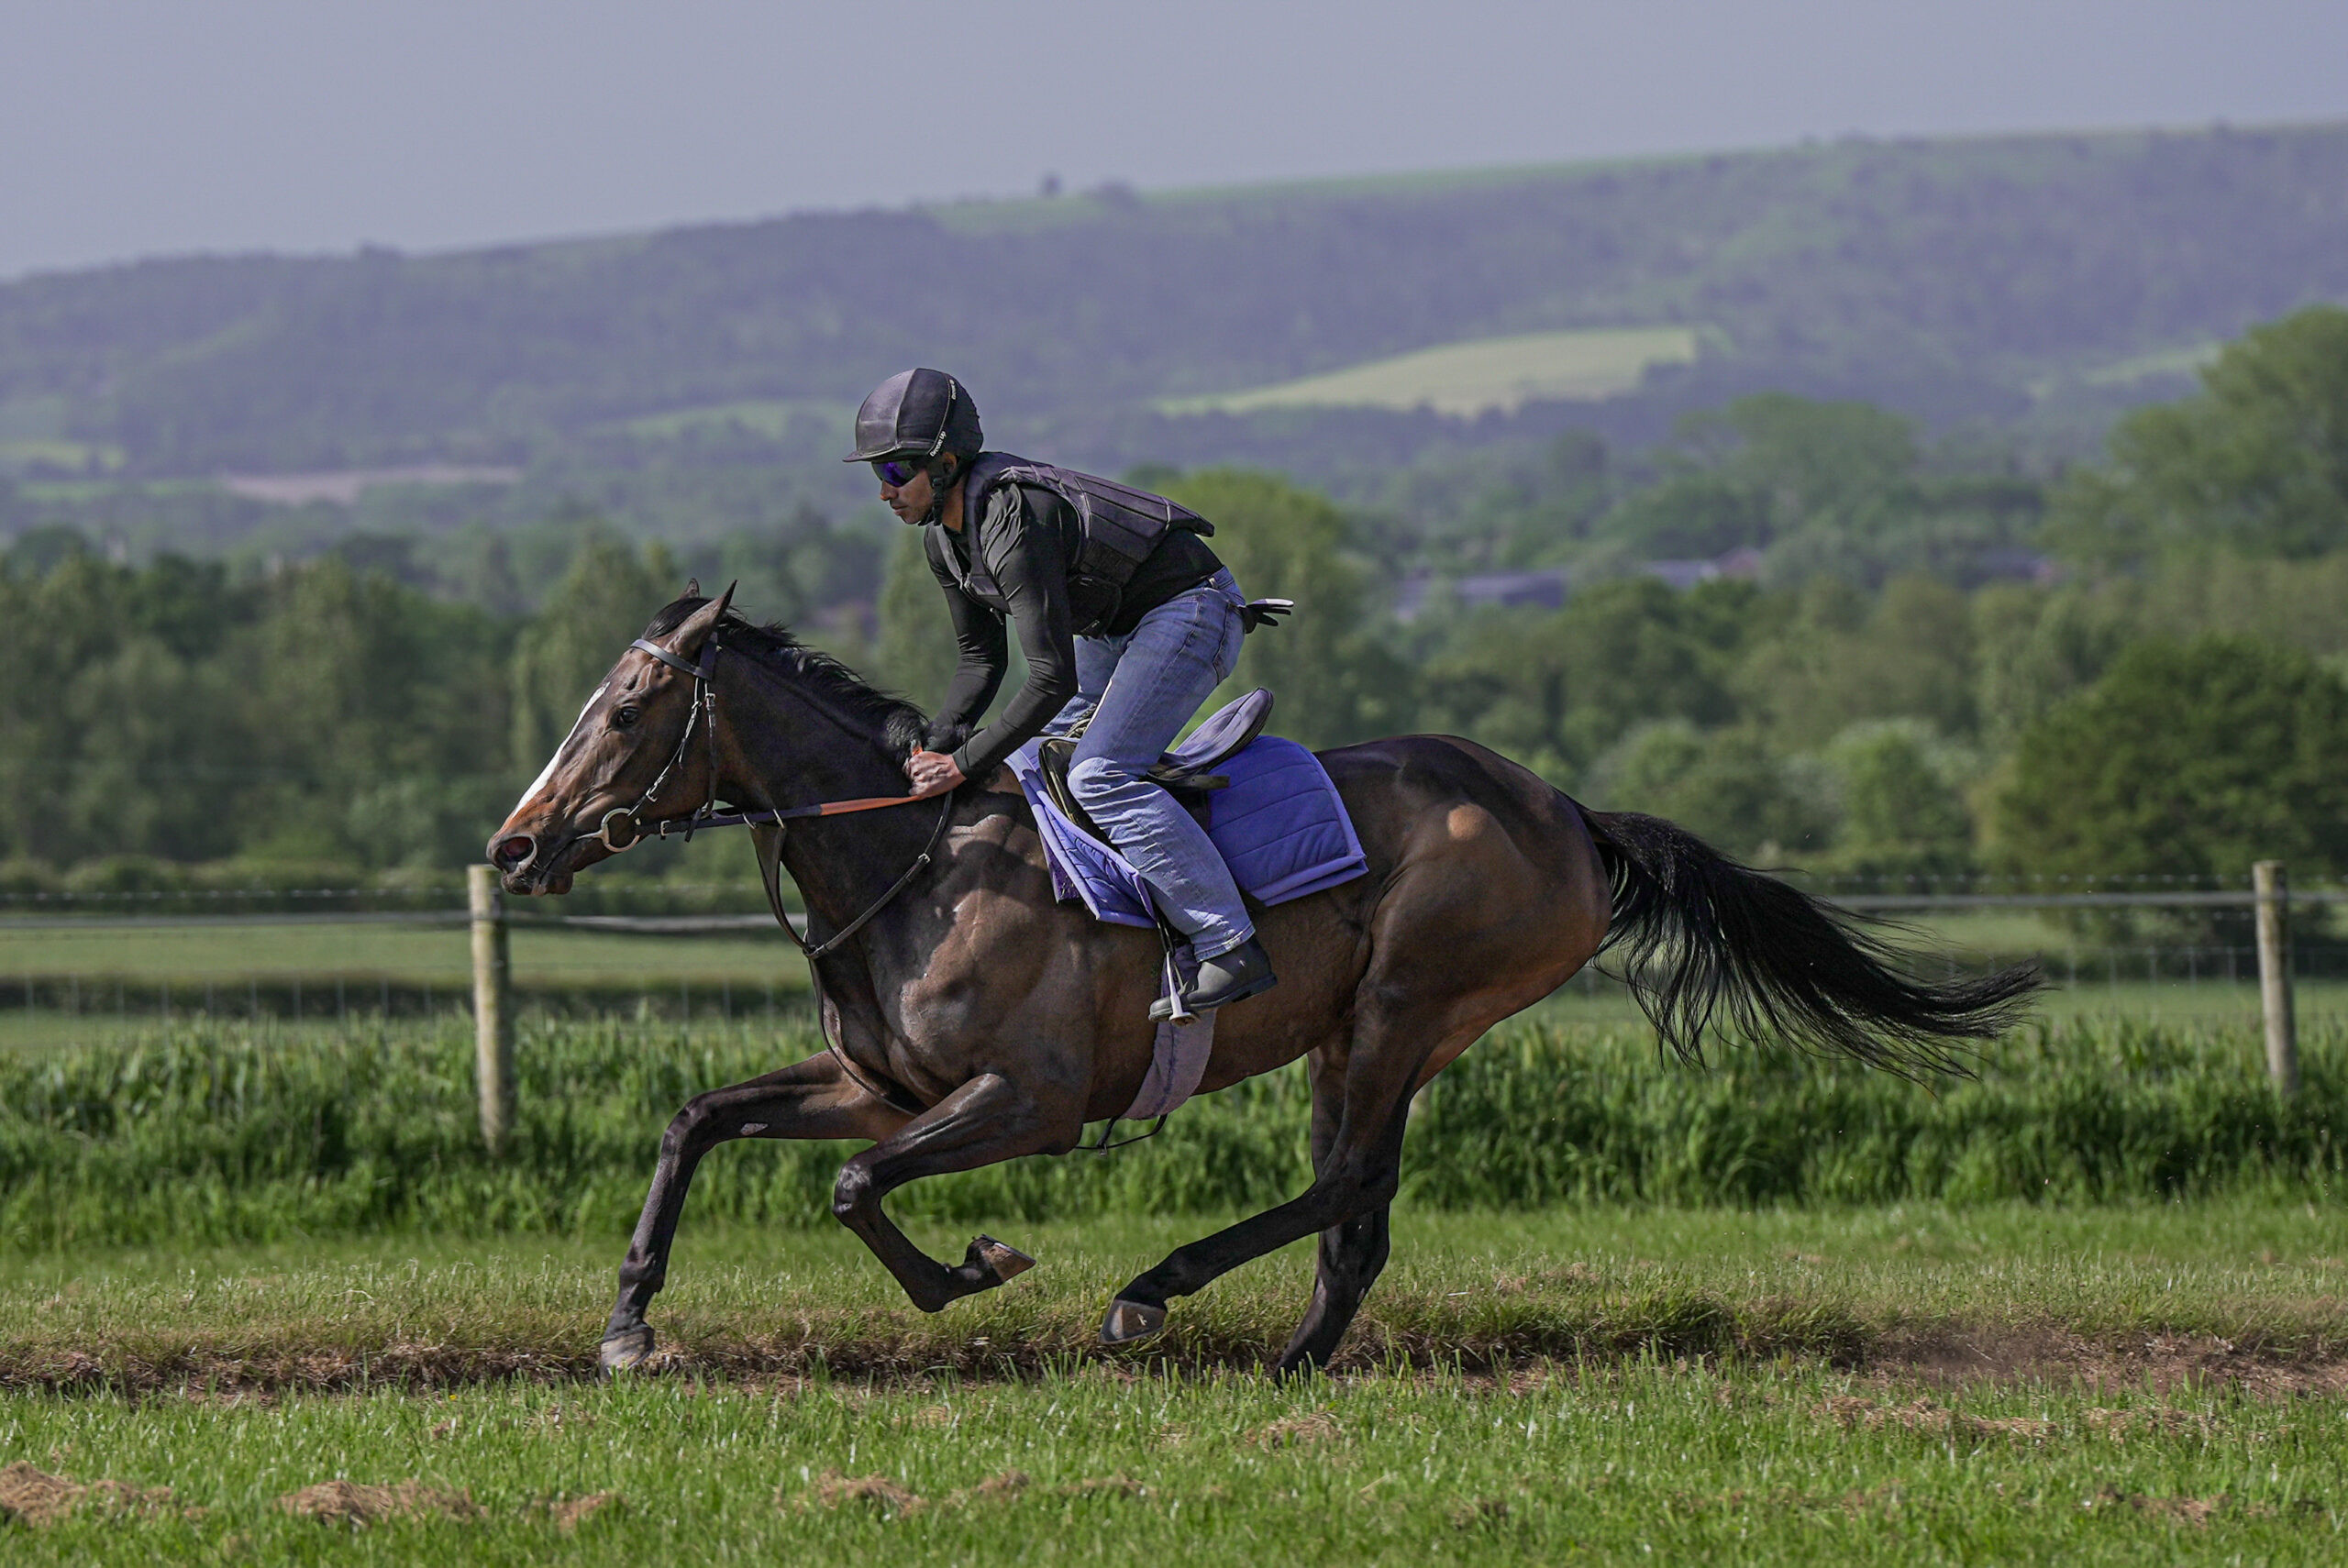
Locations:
706 815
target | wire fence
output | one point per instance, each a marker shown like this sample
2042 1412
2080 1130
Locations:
694 952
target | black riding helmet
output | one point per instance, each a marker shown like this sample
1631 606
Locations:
920 414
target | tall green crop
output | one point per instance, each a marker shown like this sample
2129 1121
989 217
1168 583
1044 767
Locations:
218 1132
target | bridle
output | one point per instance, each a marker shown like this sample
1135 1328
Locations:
621 828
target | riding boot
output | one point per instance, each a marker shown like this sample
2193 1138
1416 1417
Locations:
1225 978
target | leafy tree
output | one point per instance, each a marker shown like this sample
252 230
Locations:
2036 647
2257 462
1332 664
349 683
2201 758
1556 689
1839 661
1806 460
1726 785
602 604
1902 812
915 653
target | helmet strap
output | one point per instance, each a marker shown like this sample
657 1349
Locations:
937 491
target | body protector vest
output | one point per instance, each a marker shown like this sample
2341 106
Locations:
1118 527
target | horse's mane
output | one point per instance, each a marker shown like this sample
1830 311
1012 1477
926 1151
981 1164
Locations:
903 726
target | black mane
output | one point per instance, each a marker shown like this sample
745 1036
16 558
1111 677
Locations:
903 727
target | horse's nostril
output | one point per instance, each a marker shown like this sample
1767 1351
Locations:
513 852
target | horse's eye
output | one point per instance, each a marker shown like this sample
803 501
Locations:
626 719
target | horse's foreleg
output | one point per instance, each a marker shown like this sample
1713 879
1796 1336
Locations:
986 1120
811 1099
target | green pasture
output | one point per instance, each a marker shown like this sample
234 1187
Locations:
1894 1385
1472 378
126 972
542 957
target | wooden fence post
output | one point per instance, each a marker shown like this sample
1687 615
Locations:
493 1019
2274 891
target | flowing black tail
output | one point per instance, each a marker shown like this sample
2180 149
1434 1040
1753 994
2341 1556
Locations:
1699 933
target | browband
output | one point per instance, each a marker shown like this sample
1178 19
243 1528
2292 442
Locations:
673 661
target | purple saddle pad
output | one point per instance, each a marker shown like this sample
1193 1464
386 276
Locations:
1279 824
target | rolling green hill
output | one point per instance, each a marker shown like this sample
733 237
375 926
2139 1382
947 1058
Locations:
2046 279
1488 375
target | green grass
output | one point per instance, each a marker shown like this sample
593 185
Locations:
1472 378
1623 1420
435 954
1649 1464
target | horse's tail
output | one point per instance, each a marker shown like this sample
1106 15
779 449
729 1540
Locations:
1699 933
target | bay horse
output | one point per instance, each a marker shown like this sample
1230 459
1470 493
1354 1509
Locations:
970 1017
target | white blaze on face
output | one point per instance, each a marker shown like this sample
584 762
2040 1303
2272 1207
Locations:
547 771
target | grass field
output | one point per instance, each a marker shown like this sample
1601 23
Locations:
346 1336
1473 378
1911 1383
124 971
439 954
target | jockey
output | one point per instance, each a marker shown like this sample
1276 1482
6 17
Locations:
1130 632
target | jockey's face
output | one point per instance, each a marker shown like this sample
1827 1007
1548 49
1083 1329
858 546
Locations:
918 499
909 500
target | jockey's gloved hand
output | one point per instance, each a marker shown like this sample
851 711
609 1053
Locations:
1264 612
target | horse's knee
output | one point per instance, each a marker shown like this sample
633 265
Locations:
687 1128
851 1192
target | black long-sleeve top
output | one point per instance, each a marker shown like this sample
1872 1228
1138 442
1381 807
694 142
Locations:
1027 538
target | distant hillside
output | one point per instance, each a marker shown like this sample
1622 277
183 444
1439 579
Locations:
2001 280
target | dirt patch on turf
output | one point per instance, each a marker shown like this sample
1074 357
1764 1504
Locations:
1955 1354
33 1496
887 1497
1694 1329
1848 1410
570 1513
350 1502
1295 1432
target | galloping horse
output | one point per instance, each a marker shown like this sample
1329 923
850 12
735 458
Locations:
970 1017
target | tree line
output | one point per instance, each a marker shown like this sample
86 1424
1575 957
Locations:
2167 697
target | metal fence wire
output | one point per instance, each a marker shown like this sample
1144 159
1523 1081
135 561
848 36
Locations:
2162 935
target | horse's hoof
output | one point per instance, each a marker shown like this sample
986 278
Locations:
624 1349
1131 1320
1005 1261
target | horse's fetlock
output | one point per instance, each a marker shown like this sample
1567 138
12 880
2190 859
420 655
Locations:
850 1192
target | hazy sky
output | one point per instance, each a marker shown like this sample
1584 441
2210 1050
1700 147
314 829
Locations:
132 127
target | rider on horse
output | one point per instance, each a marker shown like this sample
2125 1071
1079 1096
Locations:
1128 651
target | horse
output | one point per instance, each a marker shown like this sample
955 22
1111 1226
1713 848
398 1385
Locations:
969 1017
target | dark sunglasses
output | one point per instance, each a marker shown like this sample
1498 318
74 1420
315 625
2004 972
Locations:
897 472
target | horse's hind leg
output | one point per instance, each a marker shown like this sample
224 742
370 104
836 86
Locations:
1352 1252
986 1120
811 1099
1356 1178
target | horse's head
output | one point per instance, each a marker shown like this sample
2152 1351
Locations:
617 759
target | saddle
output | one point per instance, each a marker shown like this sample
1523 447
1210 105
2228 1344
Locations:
1187 772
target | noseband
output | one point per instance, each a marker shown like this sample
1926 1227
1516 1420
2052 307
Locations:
621 829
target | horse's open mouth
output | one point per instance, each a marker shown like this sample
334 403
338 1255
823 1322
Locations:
547 870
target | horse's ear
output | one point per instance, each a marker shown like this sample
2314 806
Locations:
687 638
693 587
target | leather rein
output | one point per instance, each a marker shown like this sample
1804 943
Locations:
621 830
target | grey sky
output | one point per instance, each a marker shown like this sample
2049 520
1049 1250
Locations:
132 127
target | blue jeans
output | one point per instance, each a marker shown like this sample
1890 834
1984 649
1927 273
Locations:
1140 690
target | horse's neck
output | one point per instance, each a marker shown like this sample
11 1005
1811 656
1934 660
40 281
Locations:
791 748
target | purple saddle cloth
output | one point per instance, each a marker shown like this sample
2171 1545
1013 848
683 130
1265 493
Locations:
1279 824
